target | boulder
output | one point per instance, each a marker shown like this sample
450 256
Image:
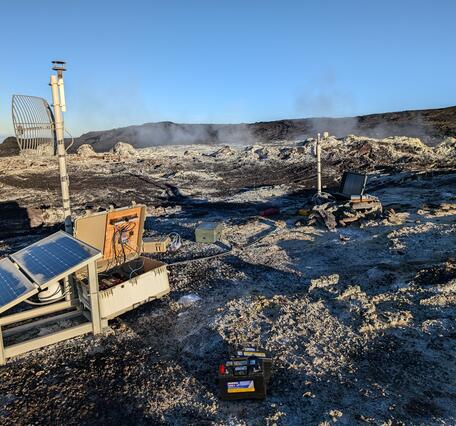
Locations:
224 152
123 149
85 150
447 148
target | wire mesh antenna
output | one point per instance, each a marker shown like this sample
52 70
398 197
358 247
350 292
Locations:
33 125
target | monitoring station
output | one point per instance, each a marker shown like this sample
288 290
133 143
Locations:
79 281
71 283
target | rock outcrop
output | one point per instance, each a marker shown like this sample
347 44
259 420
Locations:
124 150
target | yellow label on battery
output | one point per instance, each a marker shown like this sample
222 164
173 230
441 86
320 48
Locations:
249 353
241 386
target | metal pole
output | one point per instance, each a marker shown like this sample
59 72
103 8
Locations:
318 165
59 134
2 349
94 303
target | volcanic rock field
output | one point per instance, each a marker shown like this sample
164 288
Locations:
360 319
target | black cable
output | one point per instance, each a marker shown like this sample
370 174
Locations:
137 251
123 248
53 294
225 252
213 256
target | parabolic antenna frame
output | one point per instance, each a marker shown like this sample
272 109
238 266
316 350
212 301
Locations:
33 123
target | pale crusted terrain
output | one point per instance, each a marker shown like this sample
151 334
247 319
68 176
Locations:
360 320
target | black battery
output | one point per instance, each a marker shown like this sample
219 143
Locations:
245 375
246 350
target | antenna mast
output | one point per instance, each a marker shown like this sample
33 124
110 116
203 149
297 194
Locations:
318 149
58 100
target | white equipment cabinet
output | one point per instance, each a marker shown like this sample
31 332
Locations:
131 289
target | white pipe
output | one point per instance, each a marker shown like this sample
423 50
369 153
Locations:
61 94
59 134
318 165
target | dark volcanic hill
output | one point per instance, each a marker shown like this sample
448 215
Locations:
429 125
9 147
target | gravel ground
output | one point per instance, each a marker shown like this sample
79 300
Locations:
360 321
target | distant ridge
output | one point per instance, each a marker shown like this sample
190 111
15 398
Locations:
431 126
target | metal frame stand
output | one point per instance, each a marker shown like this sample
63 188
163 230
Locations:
74 309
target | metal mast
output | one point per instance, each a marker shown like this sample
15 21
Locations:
318 149
58 100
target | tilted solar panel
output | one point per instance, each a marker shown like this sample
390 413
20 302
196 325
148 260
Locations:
52 256
353 183
13 284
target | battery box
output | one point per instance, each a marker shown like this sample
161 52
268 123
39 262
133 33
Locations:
249 350
208 232
155 245
245 375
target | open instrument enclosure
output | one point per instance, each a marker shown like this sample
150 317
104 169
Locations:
101 230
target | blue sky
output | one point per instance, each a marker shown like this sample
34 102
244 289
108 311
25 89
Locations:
131 62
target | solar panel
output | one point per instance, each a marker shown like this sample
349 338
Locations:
13 284
53 256
353 183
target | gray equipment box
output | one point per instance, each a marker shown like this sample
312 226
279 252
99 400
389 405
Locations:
208 232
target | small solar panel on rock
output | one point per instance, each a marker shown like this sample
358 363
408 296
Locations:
353 183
